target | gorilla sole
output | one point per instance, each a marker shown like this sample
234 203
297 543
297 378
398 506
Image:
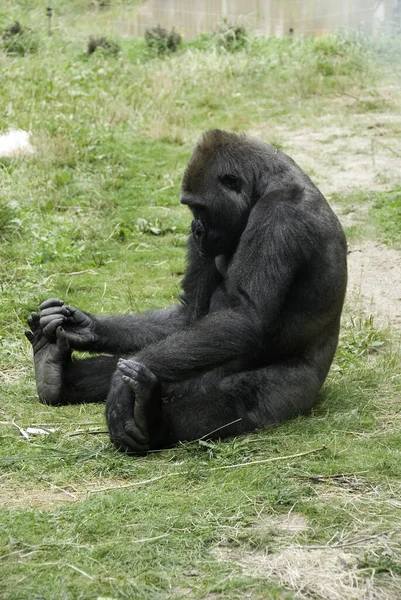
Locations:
254 334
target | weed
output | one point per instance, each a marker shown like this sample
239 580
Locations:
157 227
104 44
230 37
20 40
381 562
358 339
160 41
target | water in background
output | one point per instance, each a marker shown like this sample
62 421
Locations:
266 17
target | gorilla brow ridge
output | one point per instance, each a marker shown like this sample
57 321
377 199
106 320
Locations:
217 142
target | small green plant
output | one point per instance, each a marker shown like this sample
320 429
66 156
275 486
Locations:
155 227
19 40
359 338
160 41
231 37
107 46
381 562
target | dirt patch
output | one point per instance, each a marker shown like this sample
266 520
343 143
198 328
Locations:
375 281
290 524
319 572
323 574
341 158
45 498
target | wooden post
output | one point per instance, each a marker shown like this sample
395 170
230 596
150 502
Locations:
224 10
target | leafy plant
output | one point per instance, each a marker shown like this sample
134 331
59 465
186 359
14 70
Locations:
19 40
106 45
160 41
231 37
359 338
155 227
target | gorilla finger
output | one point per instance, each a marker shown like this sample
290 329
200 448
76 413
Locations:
140 414
129 367
62 340
29 335
134 432
124 443
33 321
44 321
51 302
131 382
54 310
49 330
72 309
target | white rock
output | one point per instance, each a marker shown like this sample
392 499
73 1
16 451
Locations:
16 142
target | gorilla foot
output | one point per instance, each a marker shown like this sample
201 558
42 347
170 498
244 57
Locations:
50 360
130 407
138 377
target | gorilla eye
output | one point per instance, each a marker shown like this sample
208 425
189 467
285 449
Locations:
231 182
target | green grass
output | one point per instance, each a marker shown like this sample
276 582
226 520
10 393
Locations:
381 221
93 217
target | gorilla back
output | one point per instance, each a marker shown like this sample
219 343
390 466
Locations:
253 338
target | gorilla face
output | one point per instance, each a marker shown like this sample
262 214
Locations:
220 210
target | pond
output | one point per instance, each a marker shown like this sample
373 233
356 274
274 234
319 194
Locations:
265 17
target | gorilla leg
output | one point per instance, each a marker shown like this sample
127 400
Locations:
240 402
144 415
59 379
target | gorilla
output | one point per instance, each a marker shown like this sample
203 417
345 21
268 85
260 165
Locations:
253 336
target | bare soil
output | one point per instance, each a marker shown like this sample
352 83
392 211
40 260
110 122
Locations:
343 157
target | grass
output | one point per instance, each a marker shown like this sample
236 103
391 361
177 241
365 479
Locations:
383 218
92 217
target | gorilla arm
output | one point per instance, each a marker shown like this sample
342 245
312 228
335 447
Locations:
258 279
113 335
126 334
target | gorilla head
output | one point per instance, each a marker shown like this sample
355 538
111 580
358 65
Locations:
218 187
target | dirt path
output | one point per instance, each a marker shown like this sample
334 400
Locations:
344 156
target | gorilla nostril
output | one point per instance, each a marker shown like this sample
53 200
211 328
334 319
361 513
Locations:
198 229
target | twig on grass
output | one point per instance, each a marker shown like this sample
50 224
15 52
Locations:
268 460
135 483
86 432
21 430
351 542
216 430
56 487
322 478
222 468
79 571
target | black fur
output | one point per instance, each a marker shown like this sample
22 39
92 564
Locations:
255 333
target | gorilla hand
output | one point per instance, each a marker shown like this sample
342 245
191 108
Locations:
130 406
79 327
50 361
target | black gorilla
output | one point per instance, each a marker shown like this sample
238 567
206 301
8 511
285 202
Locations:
254 334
